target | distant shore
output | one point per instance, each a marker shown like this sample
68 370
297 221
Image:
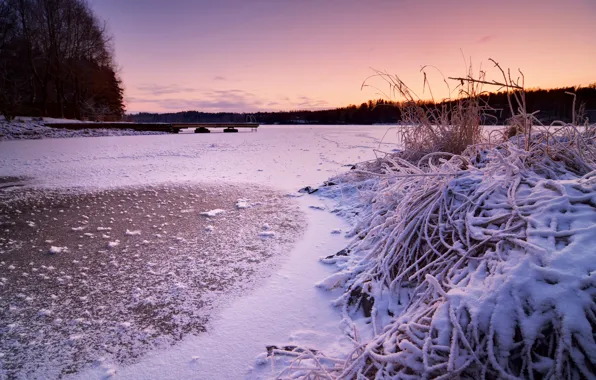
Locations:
35 128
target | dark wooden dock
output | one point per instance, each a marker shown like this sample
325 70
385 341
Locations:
205 127
157 127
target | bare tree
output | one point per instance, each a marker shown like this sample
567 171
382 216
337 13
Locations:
60 57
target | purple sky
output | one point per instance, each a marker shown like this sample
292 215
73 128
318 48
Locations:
248 55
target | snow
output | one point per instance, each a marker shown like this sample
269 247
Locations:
213 213
271 315
30 128
242 203
287 308
288 157
54 249
113 244
536 272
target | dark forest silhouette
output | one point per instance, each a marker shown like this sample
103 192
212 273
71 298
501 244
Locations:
553 104
56 60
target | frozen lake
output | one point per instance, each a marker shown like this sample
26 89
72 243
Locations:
286 308
286 157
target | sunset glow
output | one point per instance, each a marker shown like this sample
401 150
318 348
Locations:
244 56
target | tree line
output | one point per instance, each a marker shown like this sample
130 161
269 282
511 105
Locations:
553 104
377 111
56 60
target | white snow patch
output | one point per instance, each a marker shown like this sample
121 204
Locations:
213 213
242 204
54 249
113 244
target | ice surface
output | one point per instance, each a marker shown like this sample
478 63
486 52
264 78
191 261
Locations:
287 155
288 308
114 299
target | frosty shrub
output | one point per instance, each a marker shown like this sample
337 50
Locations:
476 265
482 269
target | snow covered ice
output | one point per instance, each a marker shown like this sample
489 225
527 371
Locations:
110 293
250 168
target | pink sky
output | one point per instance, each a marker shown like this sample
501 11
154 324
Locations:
249 55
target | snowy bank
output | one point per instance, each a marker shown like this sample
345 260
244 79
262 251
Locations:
31 128
473 266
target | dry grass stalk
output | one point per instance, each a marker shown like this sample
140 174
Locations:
449 126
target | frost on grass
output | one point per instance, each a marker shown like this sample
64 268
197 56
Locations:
111 300
473 269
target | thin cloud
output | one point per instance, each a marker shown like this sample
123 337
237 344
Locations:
234 100
219 78
305 102
158 89
485 39
233 92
